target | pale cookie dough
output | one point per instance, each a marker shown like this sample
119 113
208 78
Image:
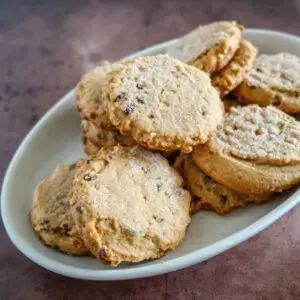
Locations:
256 152
89 96
234 73
208 47
162 103
273 80
210 195
51 216
129 205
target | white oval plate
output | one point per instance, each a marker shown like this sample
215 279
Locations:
56 139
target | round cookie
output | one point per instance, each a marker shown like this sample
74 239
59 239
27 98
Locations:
89 96
162 103
256 152
234 73
129 205
208 47
51 216
103 137
210 195
264 135
273 80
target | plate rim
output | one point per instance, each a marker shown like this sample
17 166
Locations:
184 261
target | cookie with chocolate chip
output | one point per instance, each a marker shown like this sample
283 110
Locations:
234 73
257 151
129 205
51 216
163 103
89 96
95 137
273 80
211 195
208 47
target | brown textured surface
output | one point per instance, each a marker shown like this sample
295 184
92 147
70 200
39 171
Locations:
44 48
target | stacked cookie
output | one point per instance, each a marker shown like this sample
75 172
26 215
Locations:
127 202
97 129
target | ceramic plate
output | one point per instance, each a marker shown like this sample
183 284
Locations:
56 139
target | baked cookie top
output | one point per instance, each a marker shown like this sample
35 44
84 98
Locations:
89 96
234 73
208 47
129 205
273 79
51 216
263 135
211 195
162 103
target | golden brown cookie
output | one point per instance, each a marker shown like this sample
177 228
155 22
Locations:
234 73
50 215
162 103
210 195
273 80
129 205
256 152
102 137
89 96
208 47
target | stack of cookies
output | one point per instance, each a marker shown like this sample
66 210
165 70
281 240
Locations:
128 201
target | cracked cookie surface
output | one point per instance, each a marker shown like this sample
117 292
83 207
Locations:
51 216
129 205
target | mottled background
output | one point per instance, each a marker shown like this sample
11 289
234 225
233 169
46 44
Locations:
44 48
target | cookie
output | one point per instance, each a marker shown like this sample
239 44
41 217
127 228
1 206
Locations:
89 96
273 80
103 137
89 147
234 73
129 205
257 151
210 195
51 216
208 47
162 103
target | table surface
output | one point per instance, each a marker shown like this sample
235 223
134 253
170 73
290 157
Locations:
44 48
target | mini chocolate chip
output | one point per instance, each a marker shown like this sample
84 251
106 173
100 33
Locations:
145 170
159 185
93 116
259 70
103 256
140 100
203 113
223 199
88 162
80 209
140 86
119 97
84 140
129 109
252 87
151 116
66 227
87 177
